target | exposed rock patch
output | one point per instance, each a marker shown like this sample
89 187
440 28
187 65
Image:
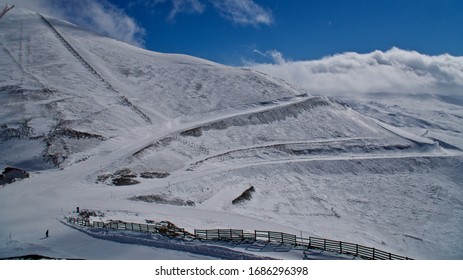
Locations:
161 199
246 195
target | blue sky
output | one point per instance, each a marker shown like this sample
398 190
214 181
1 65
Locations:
298 29
236 32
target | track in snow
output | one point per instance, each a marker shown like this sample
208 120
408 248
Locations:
224 167
280 146
244 111
123 99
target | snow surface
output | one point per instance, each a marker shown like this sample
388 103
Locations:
319 167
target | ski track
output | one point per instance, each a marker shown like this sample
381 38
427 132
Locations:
231 166
142 141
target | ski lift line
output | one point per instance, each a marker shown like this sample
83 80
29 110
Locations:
5 10
76 54
123 100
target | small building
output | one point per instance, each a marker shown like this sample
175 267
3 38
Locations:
11 174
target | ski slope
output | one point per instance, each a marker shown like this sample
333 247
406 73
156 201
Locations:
78 108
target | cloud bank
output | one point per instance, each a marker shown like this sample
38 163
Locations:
97 15
394 71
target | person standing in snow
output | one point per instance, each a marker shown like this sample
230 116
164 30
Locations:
46 233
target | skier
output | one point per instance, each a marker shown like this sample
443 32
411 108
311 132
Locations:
46 233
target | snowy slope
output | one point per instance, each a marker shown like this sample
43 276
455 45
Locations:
434 116
71 95
94 106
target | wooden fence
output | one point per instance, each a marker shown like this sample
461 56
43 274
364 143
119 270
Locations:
340 247
239 236
162 228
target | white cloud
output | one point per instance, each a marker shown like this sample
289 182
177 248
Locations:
97 15
105 18
277 57
395 71
179 7
272 55
186 6
244 12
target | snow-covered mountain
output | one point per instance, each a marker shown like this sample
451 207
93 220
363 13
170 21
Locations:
89 117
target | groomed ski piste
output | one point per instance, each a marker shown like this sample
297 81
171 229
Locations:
82 113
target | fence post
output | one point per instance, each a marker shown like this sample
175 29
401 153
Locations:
231 234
